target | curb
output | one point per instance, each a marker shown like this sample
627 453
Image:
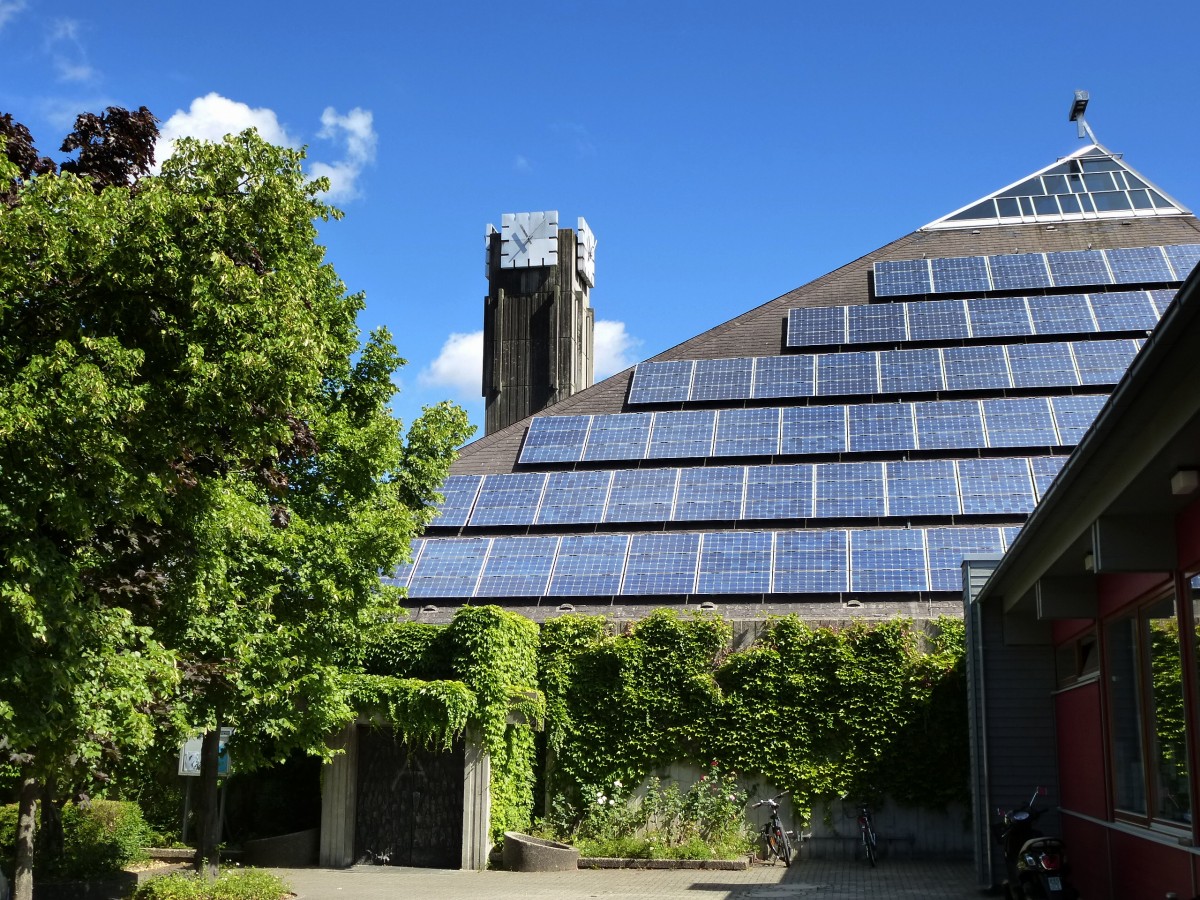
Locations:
618 862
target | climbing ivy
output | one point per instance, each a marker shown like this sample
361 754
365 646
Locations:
433 682
870 709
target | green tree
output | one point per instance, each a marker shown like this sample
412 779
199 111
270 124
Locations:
200 479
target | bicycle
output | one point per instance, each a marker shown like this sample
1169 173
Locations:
777 839
867 829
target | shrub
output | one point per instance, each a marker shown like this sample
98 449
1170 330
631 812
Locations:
232 884
8 837
102 836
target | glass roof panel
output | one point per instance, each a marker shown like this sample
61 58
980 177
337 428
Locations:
1089 184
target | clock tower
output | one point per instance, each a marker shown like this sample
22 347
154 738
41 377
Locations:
537 318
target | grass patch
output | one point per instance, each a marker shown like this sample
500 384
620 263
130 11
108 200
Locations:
232 884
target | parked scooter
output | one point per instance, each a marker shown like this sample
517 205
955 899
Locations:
1037 865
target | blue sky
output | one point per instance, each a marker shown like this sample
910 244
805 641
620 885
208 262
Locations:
722 153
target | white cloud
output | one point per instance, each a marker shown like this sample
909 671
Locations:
459 366
66 50
614 348
8 9
212 116
357 130
522 164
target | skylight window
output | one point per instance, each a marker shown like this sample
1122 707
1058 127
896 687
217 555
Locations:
1090 184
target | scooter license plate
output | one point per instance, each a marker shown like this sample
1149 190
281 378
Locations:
1053 882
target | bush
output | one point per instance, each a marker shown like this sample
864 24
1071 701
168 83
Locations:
233 884
8 837
103 836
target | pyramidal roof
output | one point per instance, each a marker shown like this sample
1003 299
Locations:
1092 183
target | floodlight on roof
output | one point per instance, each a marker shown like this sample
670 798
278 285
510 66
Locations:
1078 108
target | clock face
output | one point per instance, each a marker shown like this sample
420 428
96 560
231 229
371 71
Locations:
585 254
529 239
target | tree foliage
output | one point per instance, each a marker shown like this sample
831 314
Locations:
200 479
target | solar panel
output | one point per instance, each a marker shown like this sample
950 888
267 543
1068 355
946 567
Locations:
589 565
668 381
946 424
815 326
1061 314
811 562
722 379
850 490
618 436
1019 422
976 368
518 567
962 273
922 488
911 371
747 432
574 497
1139 265
641 495
902 277
1045 469
813 429
555 439
887 559
509 499
1103 362
1124 311
999 317
873 323
1012 271
683 434
662 564
995 486
737 562
1162 299
779 492
784 376
1041 365
402 574
459 492
948 546
1074 268
937 320
1074 415
449 568
709 493
847 373
881 426
1183 259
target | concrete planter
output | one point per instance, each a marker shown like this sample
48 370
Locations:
525 853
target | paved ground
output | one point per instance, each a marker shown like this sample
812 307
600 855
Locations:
816 879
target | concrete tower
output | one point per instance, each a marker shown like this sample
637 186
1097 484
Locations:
537 320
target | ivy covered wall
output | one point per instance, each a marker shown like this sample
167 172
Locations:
869 709
873 710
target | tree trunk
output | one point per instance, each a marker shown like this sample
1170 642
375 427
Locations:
209 830
26 812
50 831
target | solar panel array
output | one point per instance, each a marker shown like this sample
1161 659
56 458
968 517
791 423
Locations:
833 490
1021 271
926 370
819 561
806 430
878 466
961 319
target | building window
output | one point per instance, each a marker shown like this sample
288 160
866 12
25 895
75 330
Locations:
1148 724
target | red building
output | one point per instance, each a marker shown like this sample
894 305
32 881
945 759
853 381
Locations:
1083 656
